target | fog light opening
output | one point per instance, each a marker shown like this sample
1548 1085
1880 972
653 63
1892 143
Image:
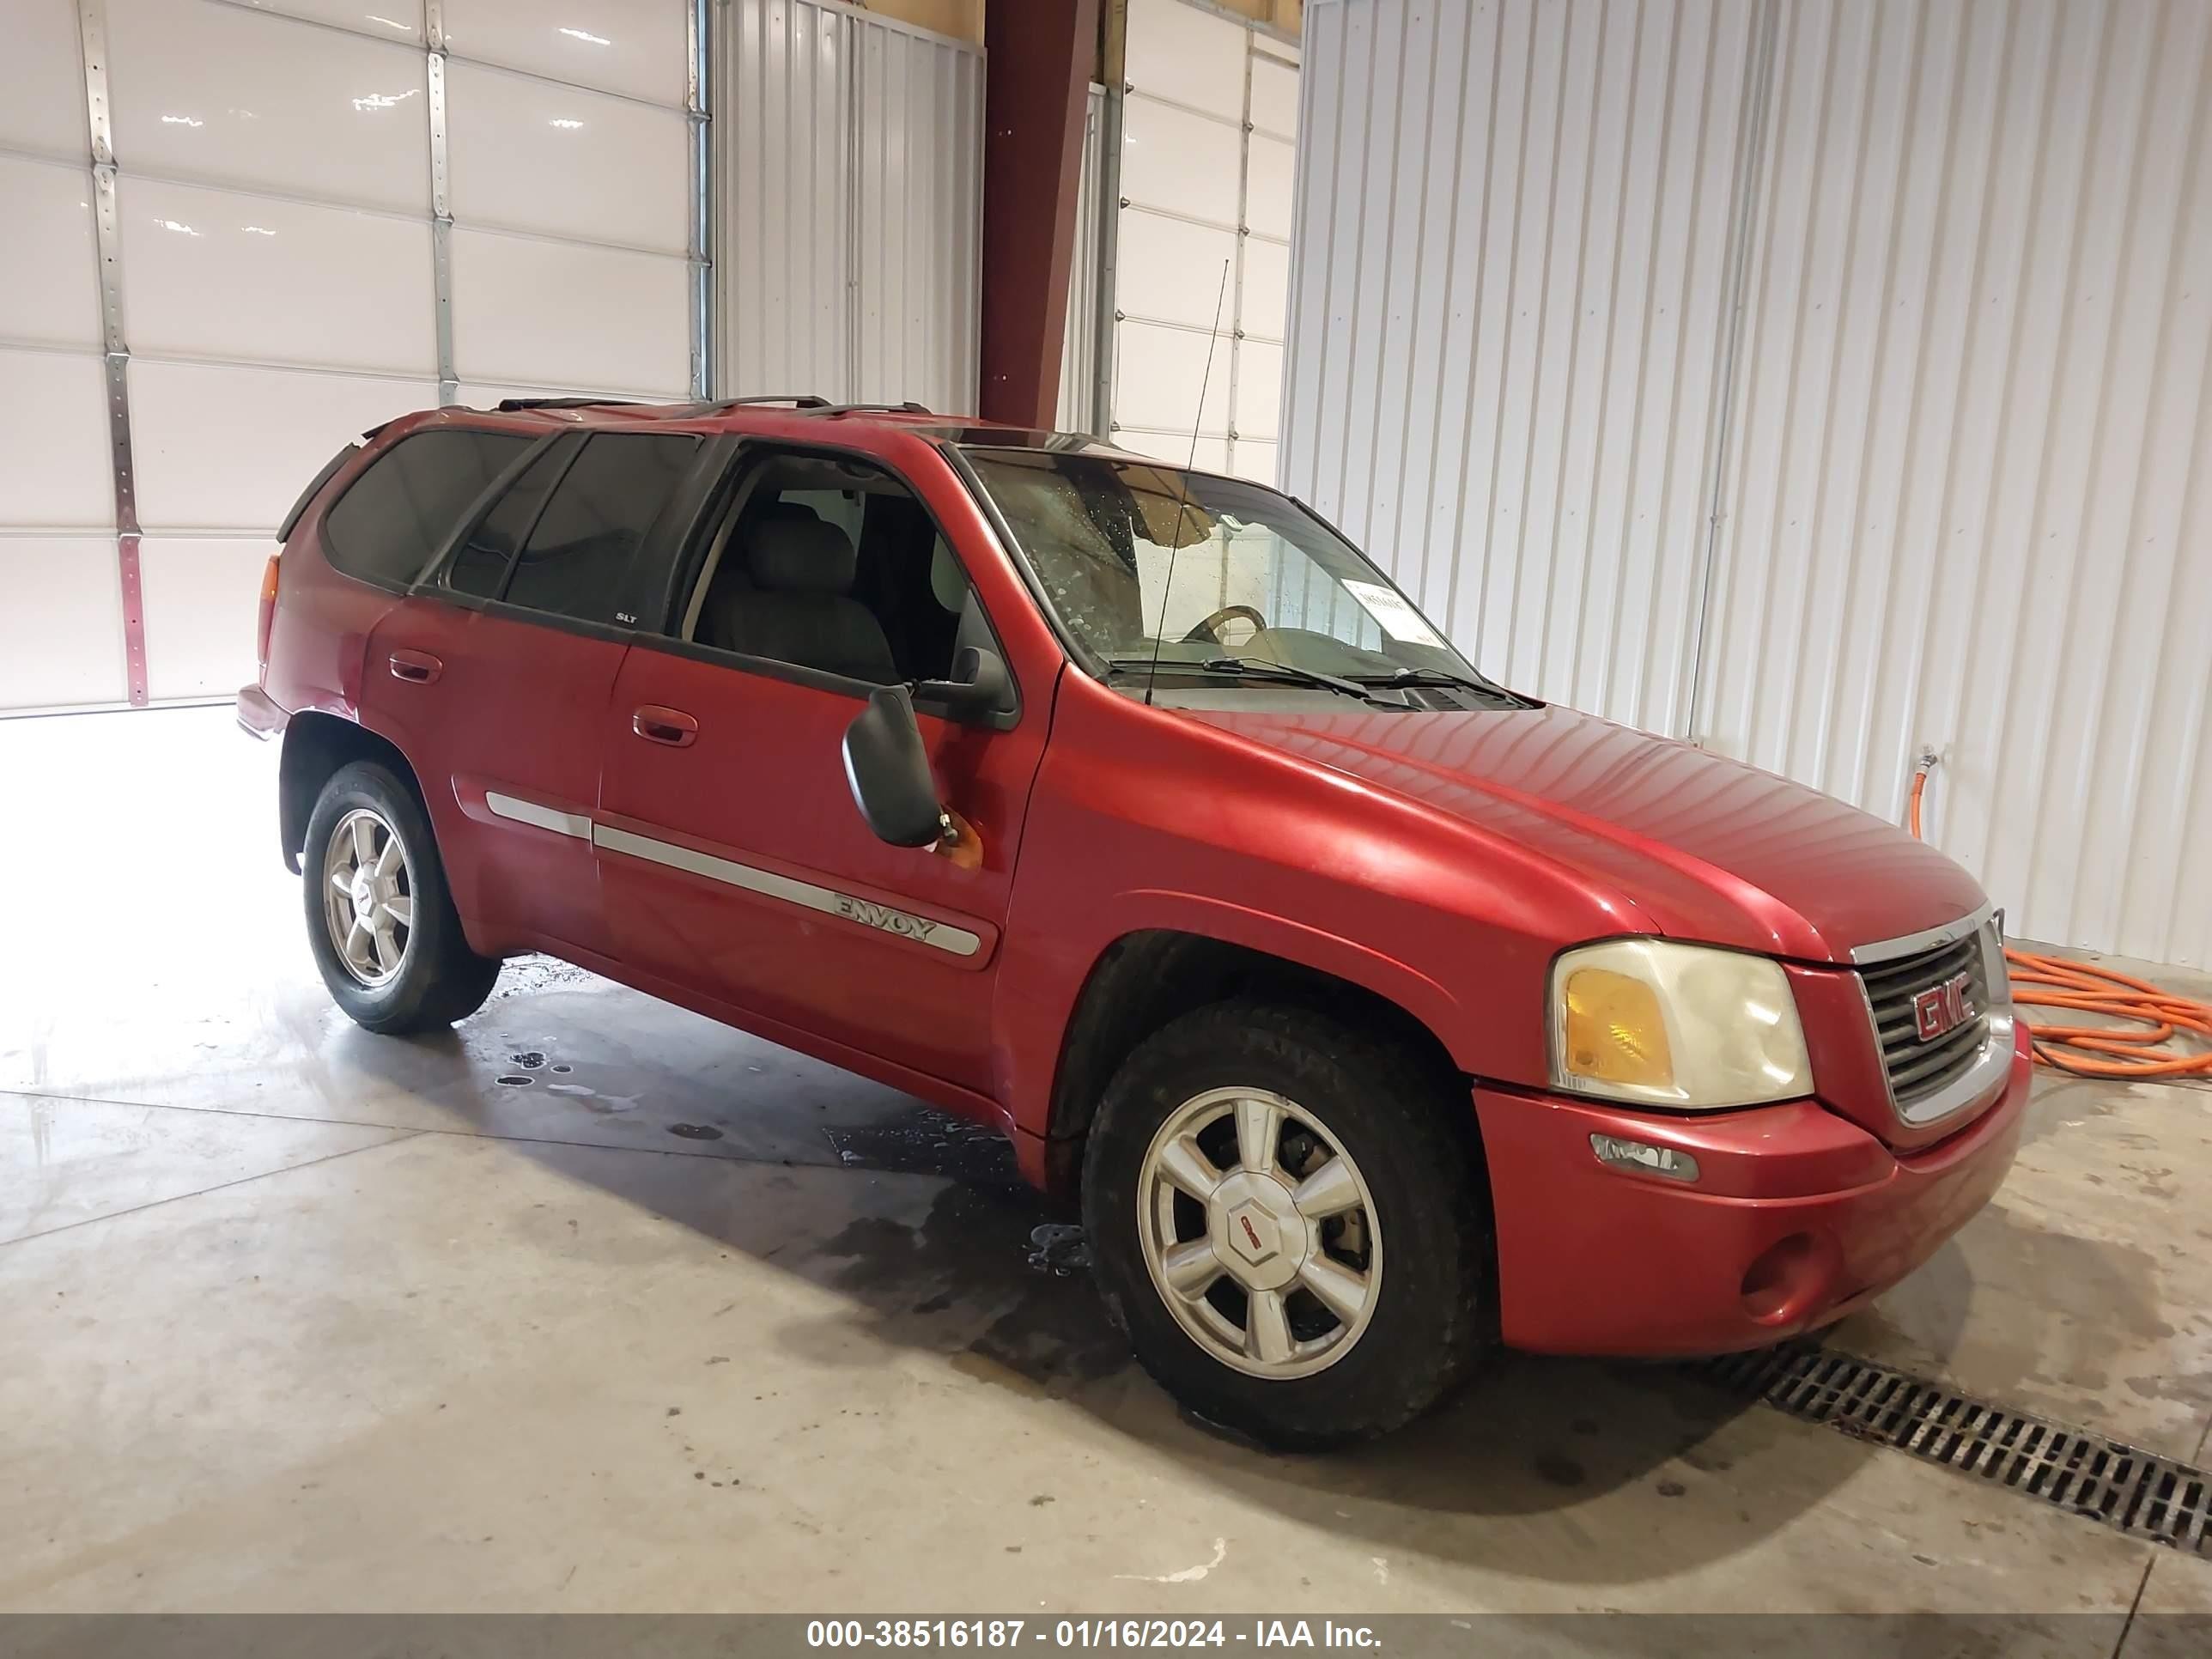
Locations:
1640 1155
1786 1278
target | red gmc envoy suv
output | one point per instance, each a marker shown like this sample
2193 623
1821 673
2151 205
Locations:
1378 1015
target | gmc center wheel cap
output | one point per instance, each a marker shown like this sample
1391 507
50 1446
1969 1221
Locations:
1257 1232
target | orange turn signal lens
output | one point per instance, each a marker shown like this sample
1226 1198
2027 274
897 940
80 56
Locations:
1614 1031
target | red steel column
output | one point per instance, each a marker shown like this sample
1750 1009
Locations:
1037 83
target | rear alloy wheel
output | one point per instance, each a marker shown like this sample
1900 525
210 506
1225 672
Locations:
380 922
1290 1217
369 898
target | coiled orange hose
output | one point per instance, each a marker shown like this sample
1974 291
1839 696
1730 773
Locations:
2107 1051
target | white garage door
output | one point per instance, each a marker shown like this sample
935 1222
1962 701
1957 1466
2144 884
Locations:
1208 125
320 214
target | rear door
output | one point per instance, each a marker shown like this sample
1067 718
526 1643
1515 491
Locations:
494 677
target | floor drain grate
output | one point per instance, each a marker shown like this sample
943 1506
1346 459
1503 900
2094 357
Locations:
2128 1490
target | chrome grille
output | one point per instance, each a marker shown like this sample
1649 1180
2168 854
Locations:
1917 1069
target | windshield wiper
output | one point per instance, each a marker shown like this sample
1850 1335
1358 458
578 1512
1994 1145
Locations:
1438 677
1266 668
1259 668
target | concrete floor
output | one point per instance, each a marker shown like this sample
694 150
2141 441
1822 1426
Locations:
297 1318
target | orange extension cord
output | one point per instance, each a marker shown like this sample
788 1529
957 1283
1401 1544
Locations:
2108 1051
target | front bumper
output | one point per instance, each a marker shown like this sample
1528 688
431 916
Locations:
1797 1218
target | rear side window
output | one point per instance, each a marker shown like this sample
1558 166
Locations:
395 515
480 563
574 560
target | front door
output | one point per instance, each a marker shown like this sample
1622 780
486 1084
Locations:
734 861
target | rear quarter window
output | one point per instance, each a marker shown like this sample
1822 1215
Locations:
581 546
392 518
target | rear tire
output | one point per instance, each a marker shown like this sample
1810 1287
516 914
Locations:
1334 1284
380 920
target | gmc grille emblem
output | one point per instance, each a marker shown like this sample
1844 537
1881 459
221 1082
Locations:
1941 1008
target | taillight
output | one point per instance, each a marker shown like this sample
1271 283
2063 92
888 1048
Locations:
268 611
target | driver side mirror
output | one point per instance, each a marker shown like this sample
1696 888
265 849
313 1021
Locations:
978 686
888 769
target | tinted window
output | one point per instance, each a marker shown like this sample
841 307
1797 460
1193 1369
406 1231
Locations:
596 515
479 565
393 517
836 566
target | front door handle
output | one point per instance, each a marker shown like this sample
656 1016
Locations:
670 725
418 666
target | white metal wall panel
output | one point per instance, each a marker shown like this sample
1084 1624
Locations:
1185 55
1966 508
1079 349
568 314
567 154
53 442
634 47
213 273
217 94
61 632
1507 310
1206 184
45 294
205 591
917 199
42 73
782 126
220 445
379 20
274 193
529 155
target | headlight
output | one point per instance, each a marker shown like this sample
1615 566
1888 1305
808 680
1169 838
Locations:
1654 1023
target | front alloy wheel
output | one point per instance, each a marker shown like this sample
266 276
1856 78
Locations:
1248 1166
1260 1232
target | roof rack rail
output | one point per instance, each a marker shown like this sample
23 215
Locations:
874 408
796 399
511 406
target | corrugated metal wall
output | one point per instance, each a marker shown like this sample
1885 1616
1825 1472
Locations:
1078 343
850 170
1954 466
1967 502
783 120
1506 321
918 143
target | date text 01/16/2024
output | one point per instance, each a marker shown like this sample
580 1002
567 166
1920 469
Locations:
1085 1633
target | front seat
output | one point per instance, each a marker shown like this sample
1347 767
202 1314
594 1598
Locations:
799 610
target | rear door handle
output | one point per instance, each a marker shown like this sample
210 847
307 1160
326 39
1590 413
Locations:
419 666
670 725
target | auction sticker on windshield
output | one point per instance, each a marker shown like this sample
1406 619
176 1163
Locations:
1397 618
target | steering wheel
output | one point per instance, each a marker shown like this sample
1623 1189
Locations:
1210 627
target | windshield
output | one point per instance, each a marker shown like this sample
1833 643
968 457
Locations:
1213 572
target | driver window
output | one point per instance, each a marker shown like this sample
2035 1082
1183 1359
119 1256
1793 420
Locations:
831 564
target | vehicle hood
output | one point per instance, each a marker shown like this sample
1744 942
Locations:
1699 846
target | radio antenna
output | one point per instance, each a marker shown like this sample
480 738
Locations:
1183 506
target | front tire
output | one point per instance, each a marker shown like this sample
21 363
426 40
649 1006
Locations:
1285 1219
380 921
